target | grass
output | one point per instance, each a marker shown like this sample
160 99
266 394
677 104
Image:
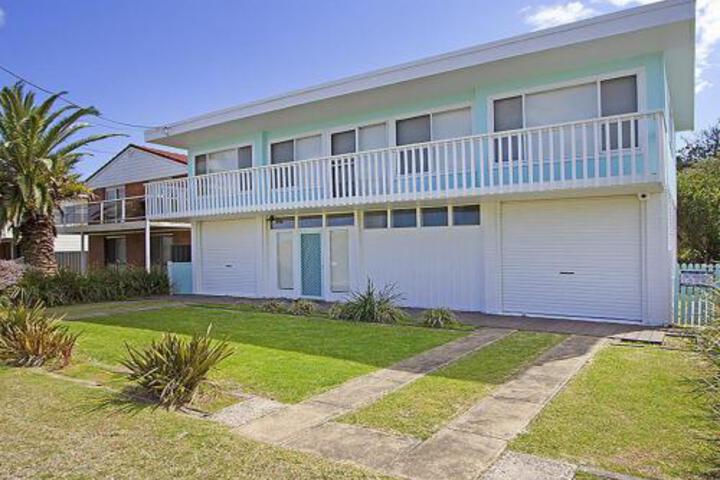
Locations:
280 356
51 428
422 407
632 410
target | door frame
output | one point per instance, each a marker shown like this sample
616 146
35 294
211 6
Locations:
298 262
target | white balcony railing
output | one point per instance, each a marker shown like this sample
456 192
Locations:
604 151
105 212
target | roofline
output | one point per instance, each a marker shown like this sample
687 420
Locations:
131 145
159 152
652 15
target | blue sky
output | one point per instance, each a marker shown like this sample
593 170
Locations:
154 61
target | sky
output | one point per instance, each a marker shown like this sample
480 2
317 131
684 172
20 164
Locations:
151 62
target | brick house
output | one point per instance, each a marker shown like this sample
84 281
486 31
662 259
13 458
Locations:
114 219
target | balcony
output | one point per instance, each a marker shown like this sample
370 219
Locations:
623 151
101 215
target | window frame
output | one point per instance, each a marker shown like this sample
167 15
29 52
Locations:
640 83
448 214
425 166
294 139
235 147
356 127
478 206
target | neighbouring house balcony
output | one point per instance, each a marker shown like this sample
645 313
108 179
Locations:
626 152
100 215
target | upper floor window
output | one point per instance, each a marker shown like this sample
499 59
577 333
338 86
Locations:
296 149
115 193
224 160
360 139
434 126
425 128
601 98
568 104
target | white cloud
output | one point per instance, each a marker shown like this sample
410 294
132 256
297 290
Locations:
546 16
708 36
2 17
707 24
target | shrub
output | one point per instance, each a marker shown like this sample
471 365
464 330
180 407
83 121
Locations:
170 370
68 287
302 308
29 337
439 318
336 311
11 272
273 306
372 305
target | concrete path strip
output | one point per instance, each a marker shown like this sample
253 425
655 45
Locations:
246 411
281 425
513 466
485 429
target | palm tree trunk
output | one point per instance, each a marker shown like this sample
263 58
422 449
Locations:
37 243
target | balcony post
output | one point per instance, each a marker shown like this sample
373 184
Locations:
102 212
147 245
122 210
83 254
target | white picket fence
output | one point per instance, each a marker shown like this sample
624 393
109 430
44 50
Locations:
696 286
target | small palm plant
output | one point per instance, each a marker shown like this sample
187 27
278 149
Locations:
29 337
170 370
372 305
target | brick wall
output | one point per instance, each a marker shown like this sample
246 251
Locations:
135 249
136 189
96 251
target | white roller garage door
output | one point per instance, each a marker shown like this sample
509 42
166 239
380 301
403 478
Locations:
229 257
430 267
575 258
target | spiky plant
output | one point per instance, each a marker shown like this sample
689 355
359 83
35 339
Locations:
38 154
439 318
170 370
373 305
29 337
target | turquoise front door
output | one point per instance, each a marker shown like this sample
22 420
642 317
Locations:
311 264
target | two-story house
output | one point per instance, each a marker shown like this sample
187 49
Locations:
114 219
528 176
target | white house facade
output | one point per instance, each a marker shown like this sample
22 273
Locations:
531 176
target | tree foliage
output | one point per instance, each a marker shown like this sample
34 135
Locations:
39 149
704 145
699 211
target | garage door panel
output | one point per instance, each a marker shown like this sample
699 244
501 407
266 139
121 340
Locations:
229 256
578 258
431 267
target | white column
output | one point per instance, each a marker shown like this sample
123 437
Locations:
659 258
83 253
491 214
147 245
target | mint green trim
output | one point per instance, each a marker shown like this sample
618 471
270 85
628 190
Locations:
654 93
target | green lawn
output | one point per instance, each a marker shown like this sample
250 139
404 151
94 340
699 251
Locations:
280 356
422 407
50 428
633 410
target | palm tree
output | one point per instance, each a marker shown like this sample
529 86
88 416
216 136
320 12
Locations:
38 153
